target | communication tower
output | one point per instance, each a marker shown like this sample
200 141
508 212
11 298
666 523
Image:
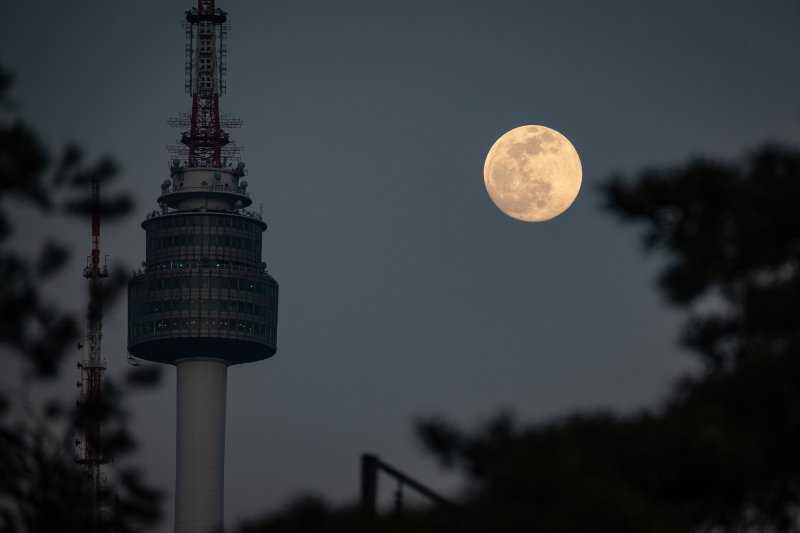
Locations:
91 455
203 300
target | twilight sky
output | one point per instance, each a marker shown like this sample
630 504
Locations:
404 291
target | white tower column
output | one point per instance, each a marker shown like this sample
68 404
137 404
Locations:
200 445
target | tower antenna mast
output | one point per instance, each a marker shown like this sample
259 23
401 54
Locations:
205 143
92 365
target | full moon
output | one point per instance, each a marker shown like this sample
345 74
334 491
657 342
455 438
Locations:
532 173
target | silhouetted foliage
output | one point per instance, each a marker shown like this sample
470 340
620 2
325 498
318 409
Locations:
730 231
312 514
40 481
721 453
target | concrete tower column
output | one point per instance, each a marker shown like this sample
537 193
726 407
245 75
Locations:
200 445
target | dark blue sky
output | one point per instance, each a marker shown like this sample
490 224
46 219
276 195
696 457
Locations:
404 291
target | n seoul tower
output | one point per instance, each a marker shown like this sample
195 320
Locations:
203 300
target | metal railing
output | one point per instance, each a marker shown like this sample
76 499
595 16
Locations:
213 188
236 211
371 465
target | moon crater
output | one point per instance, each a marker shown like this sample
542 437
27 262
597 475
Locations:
532 173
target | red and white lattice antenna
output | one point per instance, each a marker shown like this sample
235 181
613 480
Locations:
90 452
205 144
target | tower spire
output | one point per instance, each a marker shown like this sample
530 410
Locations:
206 143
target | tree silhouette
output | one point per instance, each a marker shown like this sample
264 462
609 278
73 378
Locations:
40 482
730 231
721 453
730 234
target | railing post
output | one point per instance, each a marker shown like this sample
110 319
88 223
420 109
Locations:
369 483
398 498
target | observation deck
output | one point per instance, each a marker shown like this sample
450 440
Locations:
204 290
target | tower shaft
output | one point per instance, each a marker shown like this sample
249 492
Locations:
200 451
